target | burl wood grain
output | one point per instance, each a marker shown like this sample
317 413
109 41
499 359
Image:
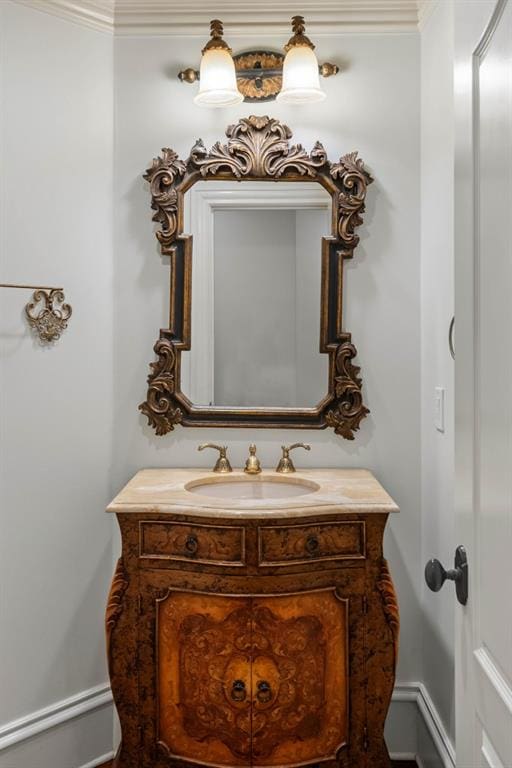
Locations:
299 650
254 681
204 647
298 543
321 635
218 544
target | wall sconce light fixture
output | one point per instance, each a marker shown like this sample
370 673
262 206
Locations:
217 86
301 80
259 75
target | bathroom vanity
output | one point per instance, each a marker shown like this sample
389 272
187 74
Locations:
252 621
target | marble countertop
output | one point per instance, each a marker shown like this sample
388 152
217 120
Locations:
340 491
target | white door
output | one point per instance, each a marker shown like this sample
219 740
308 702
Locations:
483 378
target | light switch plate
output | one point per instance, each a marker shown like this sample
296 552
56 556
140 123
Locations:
439 409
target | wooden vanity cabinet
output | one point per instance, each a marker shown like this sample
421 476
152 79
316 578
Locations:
262 642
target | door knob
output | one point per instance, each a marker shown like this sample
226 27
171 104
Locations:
436 575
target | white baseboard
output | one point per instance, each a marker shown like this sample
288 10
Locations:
435 727
49 717
439 744
98 761
416 731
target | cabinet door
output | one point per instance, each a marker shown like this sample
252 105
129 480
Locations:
243 680
203 678
299 678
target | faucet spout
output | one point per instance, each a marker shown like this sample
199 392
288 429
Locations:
252 465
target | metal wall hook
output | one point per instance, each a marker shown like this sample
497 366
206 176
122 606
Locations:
47 313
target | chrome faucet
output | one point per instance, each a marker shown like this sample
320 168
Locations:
222 464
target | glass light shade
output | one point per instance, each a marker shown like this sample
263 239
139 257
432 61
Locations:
301 79
217 80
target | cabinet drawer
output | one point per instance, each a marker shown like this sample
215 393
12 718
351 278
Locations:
207 544
290 544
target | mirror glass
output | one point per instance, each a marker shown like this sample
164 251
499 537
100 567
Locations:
256 277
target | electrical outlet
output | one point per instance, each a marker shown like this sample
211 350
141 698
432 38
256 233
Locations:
439 409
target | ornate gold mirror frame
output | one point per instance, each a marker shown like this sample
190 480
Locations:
258 149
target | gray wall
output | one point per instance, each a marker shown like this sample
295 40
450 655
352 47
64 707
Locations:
372 106
56 129
73 440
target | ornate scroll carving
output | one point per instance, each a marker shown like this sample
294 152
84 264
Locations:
210 709
262 677
257 147
390 604
353 179
289 655
204 658
115 601
48 314
346 417
164 175
159 407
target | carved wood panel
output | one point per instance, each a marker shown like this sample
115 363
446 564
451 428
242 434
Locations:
204 646
300 648
258 148
115 604
253 681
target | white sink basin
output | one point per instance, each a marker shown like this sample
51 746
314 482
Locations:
252 488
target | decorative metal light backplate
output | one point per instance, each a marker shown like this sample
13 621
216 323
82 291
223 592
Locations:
263 74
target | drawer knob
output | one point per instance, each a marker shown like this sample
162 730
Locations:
264 693
191 544
311 544
238 692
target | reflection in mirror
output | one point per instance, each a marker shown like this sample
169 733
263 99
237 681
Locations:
256 294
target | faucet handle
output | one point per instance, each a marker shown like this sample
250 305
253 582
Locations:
222 464
286 465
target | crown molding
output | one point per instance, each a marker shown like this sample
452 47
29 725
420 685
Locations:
241 17
95 14
426 9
